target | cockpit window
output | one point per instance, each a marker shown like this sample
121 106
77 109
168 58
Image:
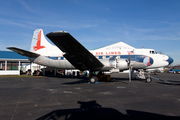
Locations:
152 52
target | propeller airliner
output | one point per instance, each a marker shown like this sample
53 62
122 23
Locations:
68 53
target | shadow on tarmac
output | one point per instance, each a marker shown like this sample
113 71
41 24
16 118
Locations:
77 80
81 81
86 80
93 111
170 82
116 79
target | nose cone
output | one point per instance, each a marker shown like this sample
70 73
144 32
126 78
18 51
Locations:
170 60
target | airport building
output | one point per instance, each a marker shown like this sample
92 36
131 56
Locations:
11 62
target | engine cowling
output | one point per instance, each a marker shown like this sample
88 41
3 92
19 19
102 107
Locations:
122 64
115 63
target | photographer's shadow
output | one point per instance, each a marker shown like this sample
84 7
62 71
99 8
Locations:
93 111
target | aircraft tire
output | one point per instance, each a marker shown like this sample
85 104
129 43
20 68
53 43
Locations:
148 79
93 79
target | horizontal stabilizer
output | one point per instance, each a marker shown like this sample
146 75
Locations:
23 52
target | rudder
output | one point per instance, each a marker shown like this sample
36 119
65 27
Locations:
39 41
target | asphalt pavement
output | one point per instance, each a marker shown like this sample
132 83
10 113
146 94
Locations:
55 98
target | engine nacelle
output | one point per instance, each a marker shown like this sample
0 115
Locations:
122 64
115 63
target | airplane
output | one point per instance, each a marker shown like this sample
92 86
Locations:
68 53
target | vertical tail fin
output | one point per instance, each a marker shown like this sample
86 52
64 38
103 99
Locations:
41 46
39 42
35 39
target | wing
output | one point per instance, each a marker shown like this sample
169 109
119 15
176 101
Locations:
75 53
23 52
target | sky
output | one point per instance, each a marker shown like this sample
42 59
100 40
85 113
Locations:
154 24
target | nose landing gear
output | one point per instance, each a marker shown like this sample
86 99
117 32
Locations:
141 74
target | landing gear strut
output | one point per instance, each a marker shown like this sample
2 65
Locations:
141 74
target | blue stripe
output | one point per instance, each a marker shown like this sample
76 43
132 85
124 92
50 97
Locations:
137 58
53 58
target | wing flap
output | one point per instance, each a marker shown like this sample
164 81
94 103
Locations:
23 52
76 53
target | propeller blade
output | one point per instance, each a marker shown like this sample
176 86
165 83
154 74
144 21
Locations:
129 74
129 65
129 59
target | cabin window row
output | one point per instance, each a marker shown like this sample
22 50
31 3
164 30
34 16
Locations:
62 58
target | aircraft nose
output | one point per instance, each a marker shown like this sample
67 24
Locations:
170 60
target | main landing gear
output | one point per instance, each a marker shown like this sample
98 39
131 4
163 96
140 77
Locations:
95 76
141 74
93 79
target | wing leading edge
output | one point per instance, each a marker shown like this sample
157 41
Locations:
75 53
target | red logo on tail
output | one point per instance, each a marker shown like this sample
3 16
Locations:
38 44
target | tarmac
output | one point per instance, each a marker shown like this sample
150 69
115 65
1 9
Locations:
55 98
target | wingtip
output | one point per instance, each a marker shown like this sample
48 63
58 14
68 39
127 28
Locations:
9 48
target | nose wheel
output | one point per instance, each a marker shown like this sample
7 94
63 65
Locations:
141 74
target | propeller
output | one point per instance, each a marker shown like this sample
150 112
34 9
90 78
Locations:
129 65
